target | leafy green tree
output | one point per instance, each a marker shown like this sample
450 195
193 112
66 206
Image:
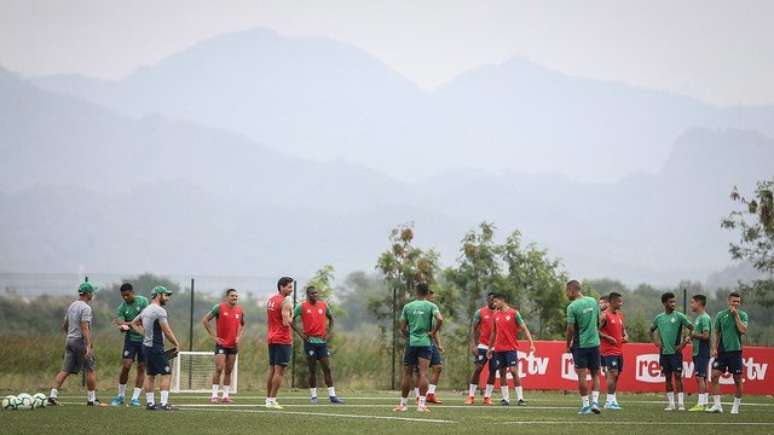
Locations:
755 222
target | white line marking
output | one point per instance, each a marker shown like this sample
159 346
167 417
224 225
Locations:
238 405
323 414
648 423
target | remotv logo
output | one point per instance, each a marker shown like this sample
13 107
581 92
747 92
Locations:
648 368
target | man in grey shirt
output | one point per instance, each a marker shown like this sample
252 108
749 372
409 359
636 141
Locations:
153 325
79 353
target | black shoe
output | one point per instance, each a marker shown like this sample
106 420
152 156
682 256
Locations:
94 402
151 407
167 407
521 402
53 402
504 402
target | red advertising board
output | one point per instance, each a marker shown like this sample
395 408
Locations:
550 368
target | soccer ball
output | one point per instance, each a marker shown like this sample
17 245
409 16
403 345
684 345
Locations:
10 403
39 401
24 401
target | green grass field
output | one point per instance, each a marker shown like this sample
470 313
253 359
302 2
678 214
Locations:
372 412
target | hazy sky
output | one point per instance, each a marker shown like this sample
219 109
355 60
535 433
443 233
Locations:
719 51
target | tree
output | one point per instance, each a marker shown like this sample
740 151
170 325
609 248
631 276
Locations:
539 280
755 221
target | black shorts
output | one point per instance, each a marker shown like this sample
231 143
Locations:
279 354
729 362
133 351
612 362
700 366
586 358
75 357
671 363
505 359
435 357
316 351
156 362
413 353
220 350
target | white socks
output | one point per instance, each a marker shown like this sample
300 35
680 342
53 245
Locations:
331 392
91 396
403 401
215 390
422 401
505 393
472 390
53 393
717 400
150 398
313 392
164 397
585 401
737 404
226 391
519 393
416 391
271 400
611 398
431 389
671 398
595 397
680 399
489 390
122 390
136 393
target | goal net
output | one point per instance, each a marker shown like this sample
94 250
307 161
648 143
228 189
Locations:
192 373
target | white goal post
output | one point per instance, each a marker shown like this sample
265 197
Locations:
192 373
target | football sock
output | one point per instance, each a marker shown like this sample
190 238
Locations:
680 398
226 390
403 401
595 397
122 390
422 401
164 397
313 392
150 398
472 389
91 395
671 398
136 393
489 390
331 392
416 392
431 389
717 399
215 390
585 401
505 393
519 393
53 393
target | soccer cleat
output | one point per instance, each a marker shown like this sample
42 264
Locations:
335 400
94 402
614 406
167 407
52 401
400 408
504 402
487 400
681 407
521 402
313 400
670 407
734 410
585 410
697 408
470 400
595 408
150 407
226 400
423 409
117 401
135 403
715 409
275 405
214 399
432 399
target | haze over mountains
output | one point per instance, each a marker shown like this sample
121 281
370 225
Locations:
255 154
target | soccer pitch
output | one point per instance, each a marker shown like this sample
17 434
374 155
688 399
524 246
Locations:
372 412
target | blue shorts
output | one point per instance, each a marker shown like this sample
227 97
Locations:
612 362
156 362
671 363
505 359
700 365
435 357
316 351
279 354
133 351
220 350
729 362
413 353
586 358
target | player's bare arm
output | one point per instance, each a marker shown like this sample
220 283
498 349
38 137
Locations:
654 337
714 346
330 326
240 329
136 324
569 334
492 337
87 338
404 328
293 326
740 326
169 334
475 331
529 337
206 322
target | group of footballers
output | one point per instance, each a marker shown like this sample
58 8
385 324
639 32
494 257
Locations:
595 336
